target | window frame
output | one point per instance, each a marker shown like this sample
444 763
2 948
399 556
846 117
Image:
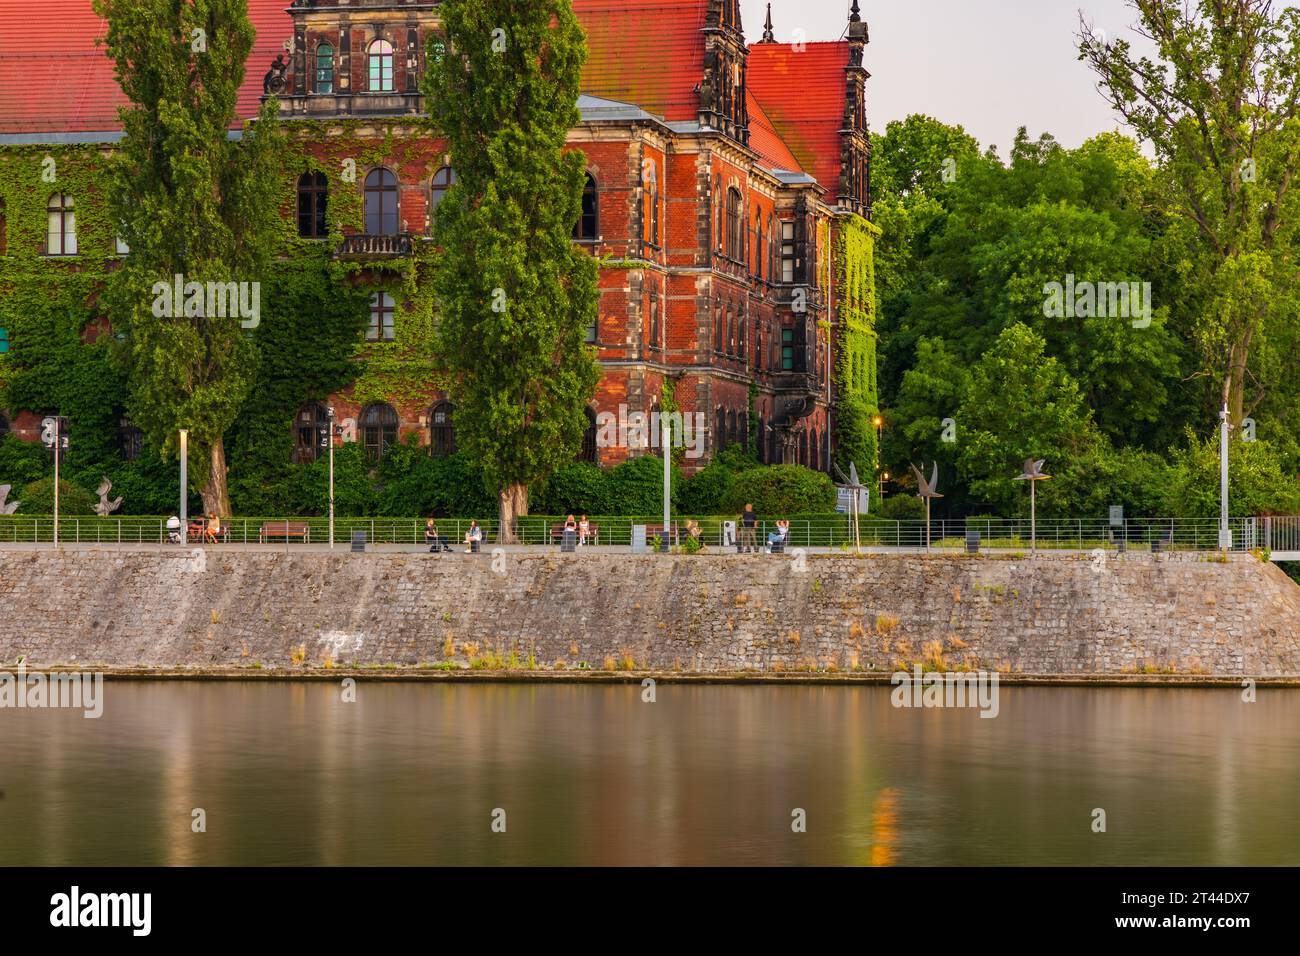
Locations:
316 69
316 192
66 214
382 306
386 185
385 57
381 427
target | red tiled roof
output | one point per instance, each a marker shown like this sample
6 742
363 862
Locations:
54 78
764 139
646 52
803 93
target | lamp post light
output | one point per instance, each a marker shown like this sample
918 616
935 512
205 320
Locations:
185 486
1225 532
53 435
331 429
666 446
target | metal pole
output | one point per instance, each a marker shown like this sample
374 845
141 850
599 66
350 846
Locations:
666 446
185 486
58 440
1225 533
331 441
1033 516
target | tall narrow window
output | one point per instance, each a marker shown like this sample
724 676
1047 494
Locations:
758 245
443 180
588 452
589 221
787 251
3 232
310 429
735 233
378 430
787 350
381 318
62 236
312 190
656 330
324 68
379 59
129 440
4 341
381 203
720 430
652 204
717 329
442 430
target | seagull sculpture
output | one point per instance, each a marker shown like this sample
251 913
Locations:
927 490
7 508
1033 473
106 507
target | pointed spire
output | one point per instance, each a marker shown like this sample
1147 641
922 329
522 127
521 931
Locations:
855 15
768 35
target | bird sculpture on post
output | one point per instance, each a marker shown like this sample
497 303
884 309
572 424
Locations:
106 507
1033 473
7 507
855 487
927 490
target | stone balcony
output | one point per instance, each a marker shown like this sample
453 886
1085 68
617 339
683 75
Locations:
375 247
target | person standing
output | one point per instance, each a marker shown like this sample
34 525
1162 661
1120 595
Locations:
748 522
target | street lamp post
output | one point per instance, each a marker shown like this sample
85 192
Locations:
330 441
185 485
54 437
666 446
1225 532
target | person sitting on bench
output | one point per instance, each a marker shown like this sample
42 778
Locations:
472 537
435 541
779 536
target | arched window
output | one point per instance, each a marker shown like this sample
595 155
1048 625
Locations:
742 425
312 193
588 225
758 245
324 68
735 228
381 203
62 237
803 447
656 331
771 248
443 180
378 429
652 203
588 452
381 327
379 58
310 430
442 430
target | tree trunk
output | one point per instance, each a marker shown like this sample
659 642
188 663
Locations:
1234 386
216 496
514 504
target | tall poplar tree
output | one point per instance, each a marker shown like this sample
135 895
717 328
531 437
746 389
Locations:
189 201
514 294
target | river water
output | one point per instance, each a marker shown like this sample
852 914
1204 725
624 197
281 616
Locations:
417 774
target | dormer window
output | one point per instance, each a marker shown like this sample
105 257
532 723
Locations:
379 59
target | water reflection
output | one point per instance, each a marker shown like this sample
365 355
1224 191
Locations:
411 774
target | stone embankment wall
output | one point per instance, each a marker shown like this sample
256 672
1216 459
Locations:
708 614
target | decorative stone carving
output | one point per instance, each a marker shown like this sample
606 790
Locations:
275 80
106 507
7 507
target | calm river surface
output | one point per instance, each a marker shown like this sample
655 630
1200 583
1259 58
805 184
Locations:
412 773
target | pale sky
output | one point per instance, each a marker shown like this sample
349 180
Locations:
988 65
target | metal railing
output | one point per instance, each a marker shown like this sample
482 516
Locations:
830 531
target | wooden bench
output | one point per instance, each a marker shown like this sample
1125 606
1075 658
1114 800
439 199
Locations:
593 533
674 533
285 530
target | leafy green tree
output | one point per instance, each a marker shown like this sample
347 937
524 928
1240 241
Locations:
1021 404
189 201
782 490
1257 483
515 295
1220 104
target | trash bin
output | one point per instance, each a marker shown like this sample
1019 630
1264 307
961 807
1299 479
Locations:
638 539
972 542
358 541
569 540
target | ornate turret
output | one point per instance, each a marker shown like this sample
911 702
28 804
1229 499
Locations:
855 143
723 104
768 35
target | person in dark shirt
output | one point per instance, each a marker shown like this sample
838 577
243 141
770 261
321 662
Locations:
748 521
